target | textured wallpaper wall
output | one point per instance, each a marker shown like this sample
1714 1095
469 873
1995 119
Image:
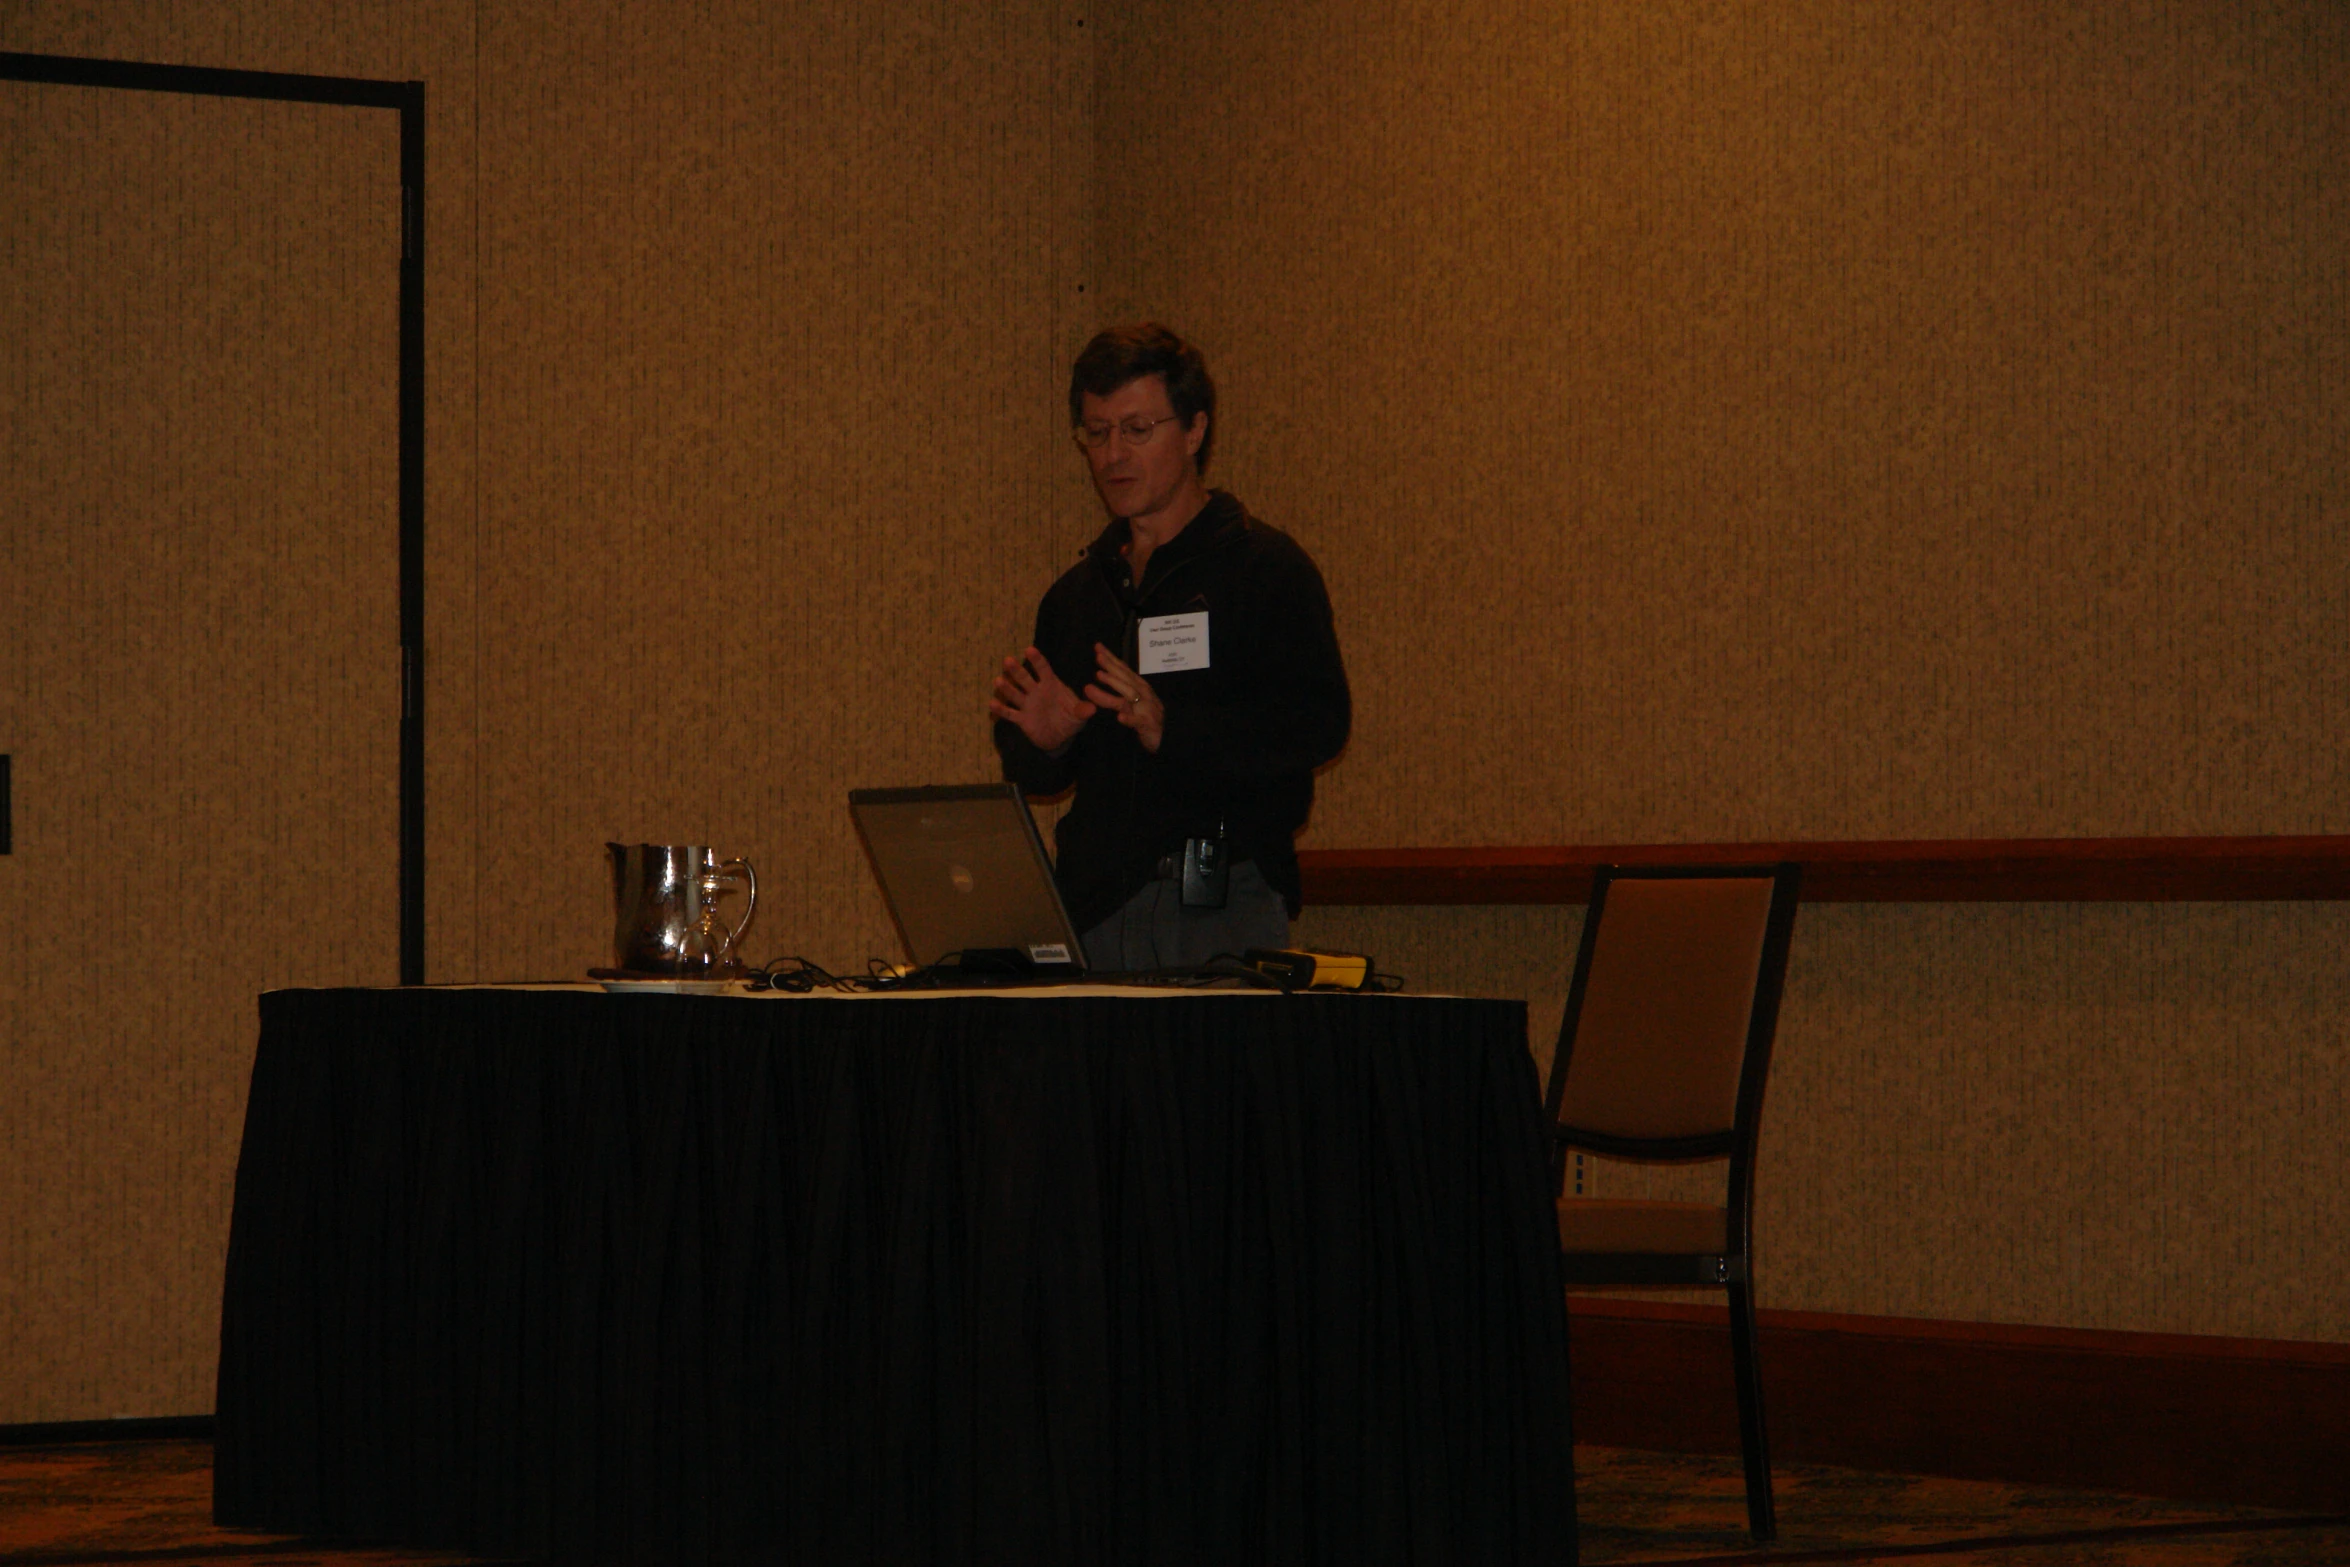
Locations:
1777 421
198 684
746 332
773 318
2091 1115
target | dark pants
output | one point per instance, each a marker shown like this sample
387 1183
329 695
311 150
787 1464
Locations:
1154 930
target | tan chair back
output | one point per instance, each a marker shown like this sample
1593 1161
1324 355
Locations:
1666 1007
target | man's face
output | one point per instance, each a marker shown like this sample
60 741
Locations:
1146 478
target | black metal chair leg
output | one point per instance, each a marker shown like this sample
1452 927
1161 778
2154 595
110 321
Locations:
1753 1441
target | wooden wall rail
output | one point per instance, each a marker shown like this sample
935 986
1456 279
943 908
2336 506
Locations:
1958 870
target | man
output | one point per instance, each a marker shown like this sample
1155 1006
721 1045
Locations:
1185 680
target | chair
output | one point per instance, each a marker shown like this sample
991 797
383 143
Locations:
1662 1056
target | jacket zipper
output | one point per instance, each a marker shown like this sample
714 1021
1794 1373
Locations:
1131 612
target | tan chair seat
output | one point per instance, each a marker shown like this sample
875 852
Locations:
1631 1224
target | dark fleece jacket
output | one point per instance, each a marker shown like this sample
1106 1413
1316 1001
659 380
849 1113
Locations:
1242 737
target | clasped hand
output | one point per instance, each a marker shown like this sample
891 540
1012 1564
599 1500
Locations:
1028 694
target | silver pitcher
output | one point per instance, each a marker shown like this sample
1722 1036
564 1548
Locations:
665 909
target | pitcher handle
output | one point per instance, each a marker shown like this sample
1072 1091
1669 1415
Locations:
750 907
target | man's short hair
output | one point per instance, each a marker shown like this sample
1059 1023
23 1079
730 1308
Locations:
1120 354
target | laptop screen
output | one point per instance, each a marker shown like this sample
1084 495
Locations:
964 872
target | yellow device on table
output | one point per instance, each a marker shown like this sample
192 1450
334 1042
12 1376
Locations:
1297 969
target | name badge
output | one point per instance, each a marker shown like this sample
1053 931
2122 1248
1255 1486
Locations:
1167 643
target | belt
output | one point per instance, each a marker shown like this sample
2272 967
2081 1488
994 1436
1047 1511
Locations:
1170 867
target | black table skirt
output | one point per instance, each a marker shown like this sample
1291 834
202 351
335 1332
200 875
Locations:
957 1280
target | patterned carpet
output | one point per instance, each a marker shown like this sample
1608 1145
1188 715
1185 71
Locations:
141 1502
1679 1509
131 1502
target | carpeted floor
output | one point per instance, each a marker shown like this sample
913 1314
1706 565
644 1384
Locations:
127 1502
1670 1509
135 1502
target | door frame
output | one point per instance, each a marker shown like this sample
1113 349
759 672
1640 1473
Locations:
407 100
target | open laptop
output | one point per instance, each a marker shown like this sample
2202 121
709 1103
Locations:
966 879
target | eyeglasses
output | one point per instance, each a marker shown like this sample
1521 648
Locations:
1137 431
